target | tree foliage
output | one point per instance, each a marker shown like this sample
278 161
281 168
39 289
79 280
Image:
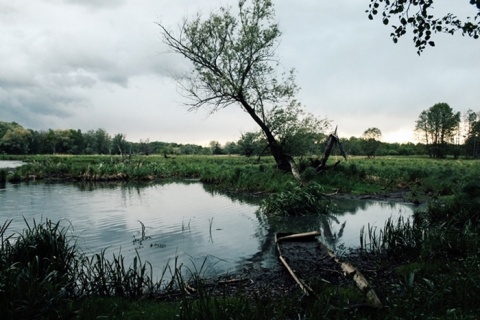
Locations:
419 16
438 126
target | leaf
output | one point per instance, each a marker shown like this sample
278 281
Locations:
431 43
385 21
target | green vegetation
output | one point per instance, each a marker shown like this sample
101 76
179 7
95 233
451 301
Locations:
421 177
297 200
437 256
433 258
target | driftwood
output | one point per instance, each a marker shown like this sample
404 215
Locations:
348 270
299 236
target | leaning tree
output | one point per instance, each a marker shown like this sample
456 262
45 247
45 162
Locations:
234 63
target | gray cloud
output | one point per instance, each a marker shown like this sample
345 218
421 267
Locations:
90 64
97 3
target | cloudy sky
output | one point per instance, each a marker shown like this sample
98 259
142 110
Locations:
89 64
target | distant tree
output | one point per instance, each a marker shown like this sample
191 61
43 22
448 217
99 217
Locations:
97 142
120 144
5 126
16 141
191 149
231 148
36 142
51 141
438 125
417 14
353 146
145 147
77 144
103 141
472 133
371 141
90 143
234 62
215 147
251 143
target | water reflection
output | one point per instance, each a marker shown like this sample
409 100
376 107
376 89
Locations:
181 220
342 226
10 164
187 221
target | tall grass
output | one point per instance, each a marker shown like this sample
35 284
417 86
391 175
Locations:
36 271
401 237
42 273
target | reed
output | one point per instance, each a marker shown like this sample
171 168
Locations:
400 237
42 272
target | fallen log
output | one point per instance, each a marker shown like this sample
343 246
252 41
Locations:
348 270
352 272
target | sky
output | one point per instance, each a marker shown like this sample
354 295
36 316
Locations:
89 64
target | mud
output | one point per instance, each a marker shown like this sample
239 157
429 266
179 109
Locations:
316 268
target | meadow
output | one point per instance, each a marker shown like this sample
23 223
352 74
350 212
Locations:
429 264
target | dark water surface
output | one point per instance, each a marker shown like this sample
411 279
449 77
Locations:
183 221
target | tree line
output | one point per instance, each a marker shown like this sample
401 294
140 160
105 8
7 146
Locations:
437 141
15 139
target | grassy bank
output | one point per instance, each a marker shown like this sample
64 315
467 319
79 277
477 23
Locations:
420 176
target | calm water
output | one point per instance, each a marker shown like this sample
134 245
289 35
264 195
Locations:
10 164
181 219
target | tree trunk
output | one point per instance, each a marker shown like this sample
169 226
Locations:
283 160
